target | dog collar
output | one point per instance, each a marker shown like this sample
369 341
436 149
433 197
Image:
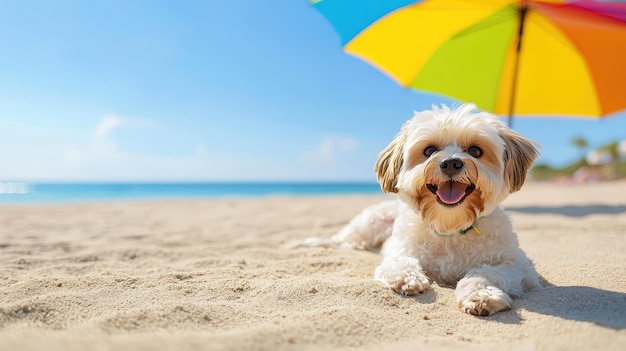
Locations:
473 227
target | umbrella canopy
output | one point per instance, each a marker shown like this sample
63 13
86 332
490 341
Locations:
550 57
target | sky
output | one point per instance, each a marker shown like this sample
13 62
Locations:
206 90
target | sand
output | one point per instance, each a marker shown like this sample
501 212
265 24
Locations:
217 275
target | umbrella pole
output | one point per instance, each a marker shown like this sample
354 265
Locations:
522 11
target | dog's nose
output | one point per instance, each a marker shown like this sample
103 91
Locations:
451 166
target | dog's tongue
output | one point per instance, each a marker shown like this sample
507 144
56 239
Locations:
451 192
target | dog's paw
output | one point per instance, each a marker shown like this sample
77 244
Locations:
412 284
485 302
403 279
403 274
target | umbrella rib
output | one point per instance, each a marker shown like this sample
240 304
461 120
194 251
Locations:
477 28
522 11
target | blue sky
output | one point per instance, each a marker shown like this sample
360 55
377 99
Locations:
205 90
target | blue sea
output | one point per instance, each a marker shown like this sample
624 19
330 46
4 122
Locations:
23 193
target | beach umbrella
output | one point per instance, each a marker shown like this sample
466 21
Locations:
509 57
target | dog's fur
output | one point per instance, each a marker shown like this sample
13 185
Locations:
450 169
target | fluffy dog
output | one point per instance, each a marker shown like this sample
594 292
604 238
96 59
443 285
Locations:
450 169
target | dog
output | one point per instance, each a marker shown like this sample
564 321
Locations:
450 169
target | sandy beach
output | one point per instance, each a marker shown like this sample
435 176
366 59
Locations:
217 275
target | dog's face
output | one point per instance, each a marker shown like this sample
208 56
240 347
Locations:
453 166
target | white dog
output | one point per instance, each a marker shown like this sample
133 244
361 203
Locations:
450 168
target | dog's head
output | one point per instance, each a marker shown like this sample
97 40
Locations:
454 165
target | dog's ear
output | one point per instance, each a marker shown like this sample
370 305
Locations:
519 155
389 163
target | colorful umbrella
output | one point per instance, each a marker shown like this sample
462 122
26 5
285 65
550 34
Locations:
550 57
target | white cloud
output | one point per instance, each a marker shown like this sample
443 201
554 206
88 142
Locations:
106 125
98 157
201 151
97 154
99 148
330 150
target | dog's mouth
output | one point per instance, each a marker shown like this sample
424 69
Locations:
451 193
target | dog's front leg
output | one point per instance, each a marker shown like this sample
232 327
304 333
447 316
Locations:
403 274
485 289
478 296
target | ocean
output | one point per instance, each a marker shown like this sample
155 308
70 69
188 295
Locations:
23 192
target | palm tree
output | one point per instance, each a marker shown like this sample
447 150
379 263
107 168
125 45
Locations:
581 144
612 149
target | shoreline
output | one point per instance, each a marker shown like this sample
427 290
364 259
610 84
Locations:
553 190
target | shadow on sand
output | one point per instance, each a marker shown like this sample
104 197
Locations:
579 303
572 210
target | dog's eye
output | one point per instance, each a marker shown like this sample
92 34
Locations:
429 151
475 151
